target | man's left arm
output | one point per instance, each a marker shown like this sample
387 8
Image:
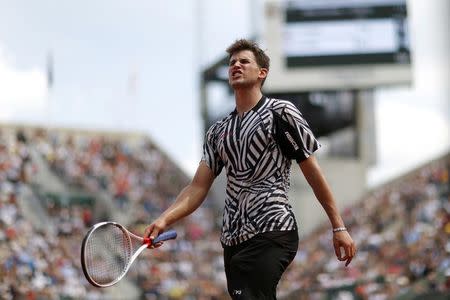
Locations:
313 174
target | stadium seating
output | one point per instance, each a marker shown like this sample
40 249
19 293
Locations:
401 229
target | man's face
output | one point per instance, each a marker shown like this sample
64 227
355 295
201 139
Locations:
243 71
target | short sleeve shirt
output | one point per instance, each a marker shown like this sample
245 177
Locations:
256 150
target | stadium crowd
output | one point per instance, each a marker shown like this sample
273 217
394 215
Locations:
130 173
401 229
36 263
180 269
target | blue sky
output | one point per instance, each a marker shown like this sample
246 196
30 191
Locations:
134 65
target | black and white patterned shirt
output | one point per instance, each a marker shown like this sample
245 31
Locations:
256 150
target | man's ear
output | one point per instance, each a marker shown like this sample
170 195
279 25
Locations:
262 73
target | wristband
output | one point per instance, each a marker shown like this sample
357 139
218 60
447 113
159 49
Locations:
337 229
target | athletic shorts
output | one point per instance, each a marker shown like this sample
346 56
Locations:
254 267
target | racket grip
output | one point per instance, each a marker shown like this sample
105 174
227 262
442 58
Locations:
168 235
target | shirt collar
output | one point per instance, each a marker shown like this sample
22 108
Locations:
256 107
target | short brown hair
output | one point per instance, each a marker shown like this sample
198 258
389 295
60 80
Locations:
262 59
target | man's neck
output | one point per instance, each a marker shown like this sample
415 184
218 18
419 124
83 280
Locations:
246 99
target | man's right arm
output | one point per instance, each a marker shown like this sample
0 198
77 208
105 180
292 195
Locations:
187 201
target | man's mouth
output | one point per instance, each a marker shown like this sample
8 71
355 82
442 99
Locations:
236 74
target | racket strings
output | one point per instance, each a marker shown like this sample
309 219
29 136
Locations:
108 252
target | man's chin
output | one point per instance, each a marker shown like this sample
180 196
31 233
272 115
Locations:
239 84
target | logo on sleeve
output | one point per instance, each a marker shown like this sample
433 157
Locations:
291 140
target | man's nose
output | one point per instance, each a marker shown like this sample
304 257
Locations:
236 64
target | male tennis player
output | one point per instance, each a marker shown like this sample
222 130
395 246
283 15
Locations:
256 144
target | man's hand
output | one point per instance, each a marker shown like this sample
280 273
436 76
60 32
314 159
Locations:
342 239
154 229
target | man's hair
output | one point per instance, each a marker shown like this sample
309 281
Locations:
262 59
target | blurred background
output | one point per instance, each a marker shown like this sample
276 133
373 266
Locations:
103 109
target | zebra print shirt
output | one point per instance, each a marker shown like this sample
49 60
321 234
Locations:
256 150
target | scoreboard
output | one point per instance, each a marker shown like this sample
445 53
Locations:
337 44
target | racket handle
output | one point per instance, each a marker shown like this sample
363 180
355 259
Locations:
168 235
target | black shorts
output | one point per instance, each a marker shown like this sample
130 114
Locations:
254 267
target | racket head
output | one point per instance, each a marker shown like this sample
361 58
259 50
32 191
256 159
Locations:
106 253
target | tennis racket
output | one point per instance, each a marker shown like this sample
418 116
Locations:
109 249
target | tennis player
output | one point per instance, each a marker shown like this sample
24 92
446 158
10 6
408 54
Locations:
256 144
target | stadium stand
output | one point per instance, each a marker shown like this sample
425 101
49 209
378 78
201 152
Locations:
151 181
401 228
39 259
402 231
